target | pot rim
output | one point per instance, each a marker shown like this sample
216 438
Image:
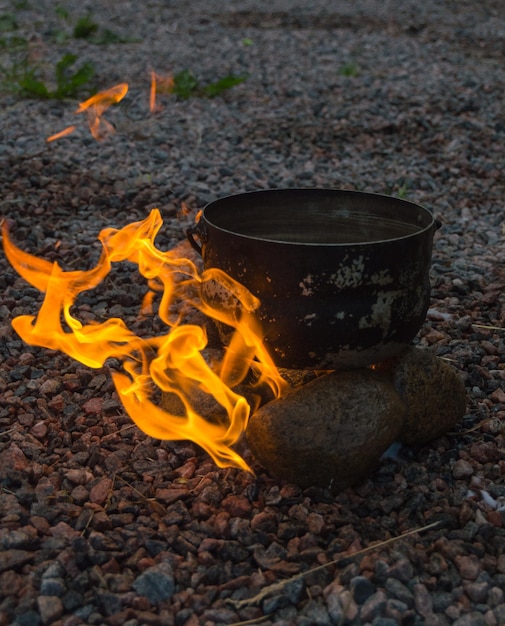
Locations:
433 223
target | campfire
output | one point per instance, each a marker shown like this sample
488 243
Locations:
172 362
313 412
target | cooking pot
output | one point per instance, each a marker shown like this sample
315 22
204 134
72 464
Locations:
342 276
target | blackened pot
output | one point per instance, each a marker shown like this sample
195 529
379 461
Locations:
342 276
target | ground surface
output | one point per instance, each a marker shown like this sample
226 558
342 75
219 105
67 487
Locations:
100 524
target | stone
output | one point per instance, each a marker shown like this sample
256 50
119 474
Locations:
50 608
477 591
156 583
330 432
422 600
101 491
469 566
237 506
432 391
50 386
13 459
362 589
402 569
373 607
52 587
93 406
11 559
400 591
462 469
316 613
471 619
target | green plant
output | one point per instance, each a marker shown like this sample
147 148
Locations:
20 5
349 69
187 85
67 82
62 12
402 191
85 28
12 43
107 36
399 189
227 82
7 22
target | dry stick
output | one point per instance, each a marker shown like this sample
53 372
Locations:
278 587
488 327
152 502
11 430
254 620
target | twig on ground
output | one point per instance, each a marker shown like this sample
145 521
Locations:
486 327
279 586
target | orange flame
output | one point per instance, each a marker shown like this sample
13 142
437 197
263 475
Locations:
172 362
63 133
159 85
94 108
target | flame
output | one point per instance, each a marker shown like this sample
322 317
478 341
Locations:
159 84
94 108
171 362
63 133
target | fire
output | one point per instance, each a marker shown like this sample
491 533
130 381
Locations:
159 84
62 133
171 362
94 108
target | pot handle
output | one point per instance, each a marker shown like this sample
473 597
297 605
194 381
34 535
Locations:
200 231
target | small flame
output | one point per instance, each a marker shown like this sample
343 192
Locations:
172 362
63 133
94 108
159 85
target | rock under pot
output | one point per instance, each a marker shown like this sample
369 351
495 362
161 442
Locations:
342 276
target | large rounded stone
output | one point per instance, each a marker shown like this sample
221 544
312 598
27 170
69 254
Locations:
433 393
330 432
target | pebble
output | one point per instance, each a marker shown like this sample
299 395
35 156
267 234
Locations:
315 613
53 587
373 606
477 592
402 569
400 591
468 566
422 600
471 619
339 600
361 589
50 609
462 469
99 493
13 459
93 406
237 506
50 386
156 583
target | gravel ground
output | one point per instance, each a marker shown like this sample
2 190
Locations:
100 524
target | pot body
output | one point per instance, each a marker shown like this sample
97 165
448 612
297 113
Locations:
342 276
